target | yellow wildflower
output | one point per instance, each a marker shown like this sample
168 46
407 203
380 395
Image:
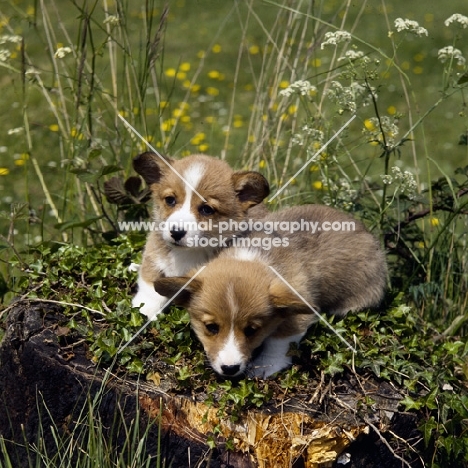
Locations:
213 74
369 124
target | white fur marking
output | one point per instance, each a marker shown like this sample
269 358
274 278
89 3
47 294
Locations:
183 217
273 357
229 355
134 267
180 261
153 302
232 299
247 254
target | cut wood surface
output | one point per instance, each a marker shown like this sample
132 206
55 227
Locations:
44 382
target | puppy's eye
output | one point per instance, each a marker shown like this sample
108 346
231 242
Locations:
170 201
212 328
206 210
249 331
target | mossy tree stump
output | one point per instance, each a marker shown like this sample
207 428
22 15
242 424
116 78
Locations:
45 381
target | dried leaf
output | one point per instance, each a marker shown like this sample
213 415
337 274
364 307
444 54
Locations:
115 192
132 185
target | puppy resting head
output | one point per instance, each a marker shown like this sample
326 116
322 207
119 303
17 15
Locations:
234 305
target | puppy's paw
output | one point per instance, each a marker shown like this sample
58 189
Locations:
134 267
152 303
266 365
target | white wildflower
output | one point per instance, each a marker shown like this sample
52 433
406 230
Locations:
334 38
374 127
405 181
14 131
10 38
112 20
313 133
387 179
449 53
457 18
301 87
346 96
343 96
32 71
352 55
364 93
345 194
410 26
4 55
310 136
298 139
62 51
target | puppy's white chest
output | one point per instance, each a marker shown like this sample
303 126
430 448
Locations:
181 260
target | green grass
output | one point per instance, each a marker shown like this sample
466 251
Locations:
208 76
93 437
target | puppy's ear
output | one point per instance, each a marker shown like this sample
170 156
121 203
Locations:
283 298
251 187
150 166
170 287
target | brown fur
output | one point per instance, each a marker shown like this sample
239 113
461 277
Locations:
231 194
334 272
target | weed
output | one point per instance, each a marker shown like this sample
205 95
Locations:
91 438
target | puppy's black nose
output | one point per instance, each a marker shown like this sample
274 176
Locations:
177 234
230 370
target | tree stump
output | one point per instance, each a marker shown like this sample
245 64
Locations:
44 383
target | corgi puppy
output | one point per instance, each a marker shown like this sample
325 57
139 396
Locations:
191 196
250 303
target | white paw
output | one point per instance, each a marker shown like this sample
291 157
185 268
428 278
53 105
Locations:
153 303
134 267
273 357
265 365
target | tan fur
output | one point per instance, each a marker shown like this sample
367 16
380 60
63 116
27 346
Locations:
334 272
231 194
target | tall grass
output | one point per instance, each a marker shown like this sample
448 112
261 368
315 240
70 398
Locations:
76 68
89 439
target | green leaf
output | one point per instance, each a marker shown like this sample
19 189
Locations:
463 79
94 153
410 404
428 428
84 174
77 224
452 348
109 169
430 400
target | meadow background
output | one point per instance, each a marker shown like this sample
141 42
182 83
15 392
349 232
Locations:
264 85
214 77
